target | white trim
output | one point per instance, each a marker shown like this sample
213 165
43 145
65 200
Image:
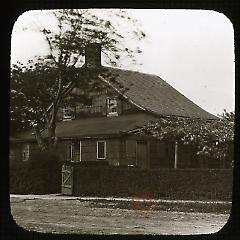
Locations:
71 151
105 150
110 108
176 155
66 113
135 130
112 114
80 151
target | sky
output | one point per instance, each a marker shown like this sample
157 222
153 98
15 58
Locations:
192 50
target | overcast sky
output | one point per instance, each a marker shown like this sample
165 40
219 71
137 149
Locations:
192 50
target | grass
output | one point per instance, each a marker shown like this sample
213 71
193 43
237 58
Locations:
188 207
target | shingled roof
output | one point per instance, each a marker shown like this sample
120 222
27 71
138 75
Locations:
95 127
155 95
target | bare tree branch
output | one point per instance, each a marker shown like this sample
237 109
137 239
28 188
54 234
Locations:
50 46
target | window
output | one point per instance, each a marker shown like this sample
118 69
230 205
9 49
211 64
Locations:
101 150
66 112
112 107
75 151
25 152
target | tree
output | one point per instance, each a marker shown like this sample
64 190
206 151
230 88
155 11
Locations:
211 137
39 88
230 116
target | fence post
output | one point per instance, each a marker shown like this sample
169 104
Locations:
176 155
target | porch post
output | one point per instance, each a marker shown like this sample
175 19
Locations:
176 155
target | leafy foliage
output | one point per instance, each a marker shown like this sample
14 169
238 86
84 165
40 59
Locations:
194 184
39 88
40 175
211 137
230 116
77 28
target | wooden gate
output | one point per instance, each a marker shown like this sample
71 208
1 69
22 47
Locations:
67 179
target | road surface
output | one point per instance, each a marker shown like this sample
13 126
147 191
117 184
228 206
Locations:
59 214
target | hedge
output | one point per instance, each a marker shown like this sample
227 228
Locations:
195 184
40 175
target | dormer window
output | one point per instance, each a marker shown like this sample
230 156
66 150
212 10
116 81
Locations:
112 107
66 113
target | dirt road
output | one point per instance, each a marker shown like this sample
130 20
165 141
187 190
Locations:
69 215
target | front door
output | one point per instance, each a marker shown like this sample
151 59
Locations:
141 154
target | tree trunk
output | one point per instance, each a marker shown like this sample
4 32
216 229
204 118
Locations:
39 138
52 139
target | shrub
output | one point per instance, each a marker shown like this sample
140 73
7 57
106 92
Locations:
40 175
164 183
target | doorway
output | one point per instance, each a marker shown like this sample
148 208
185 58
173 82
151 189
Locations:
141 154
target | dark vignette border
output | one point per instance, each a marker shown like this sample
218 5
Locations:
8 229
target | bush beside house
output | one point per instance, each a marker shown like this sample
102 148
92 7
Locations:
40 175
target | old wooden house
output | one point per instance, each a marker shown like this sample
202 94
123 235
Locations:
104 130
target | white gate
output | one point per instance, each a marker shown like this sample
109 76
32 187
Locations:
67 179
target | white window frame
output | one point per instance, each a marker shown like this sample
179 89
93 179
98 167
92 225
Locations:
25 152
80 152
105 149
66 112
111 108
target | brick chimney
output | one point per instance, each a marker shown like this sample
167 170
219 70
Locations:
93 55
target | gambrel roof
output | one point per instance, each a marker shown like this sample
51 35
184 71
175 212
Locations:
153 94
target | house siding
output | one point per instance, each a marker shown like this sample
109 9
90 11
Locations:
15 153
63 150
89 150
123 151
98 107
187 156
144 94
161 154
113 151
131 151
